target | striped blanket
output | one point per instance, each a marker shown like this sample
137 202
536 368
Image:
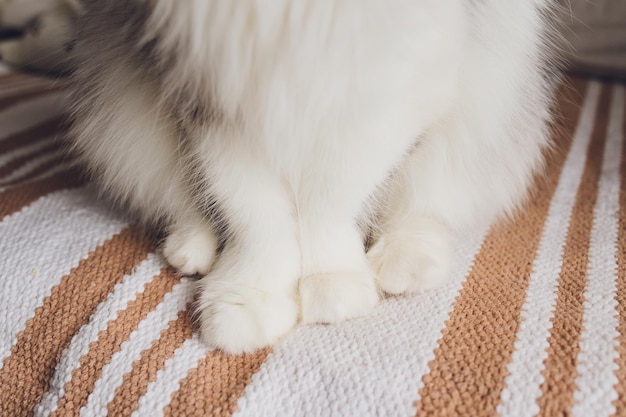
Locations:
532 323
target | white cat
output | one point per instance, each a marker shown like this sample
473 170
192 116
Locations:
296 125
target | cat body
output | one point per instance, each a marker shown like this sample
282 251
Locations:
297 124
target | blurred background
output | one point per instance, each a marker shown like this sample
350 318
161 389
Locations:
37 35
596 33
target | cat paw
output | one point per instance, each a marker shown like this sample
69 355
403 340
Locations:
191 251
414 259
333 297
243 320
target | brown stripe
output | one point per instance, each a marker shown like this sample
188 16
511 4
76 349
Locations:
26 95
50 128
47 166
467 375
17 163
563 344
215 385
27 85
109 342
14 199
620 403
10 78
16 78
145 369
27 371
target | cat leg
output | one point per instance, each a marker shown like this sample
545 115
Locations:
465 172
476 161
411 243
337 282
248 300
130 142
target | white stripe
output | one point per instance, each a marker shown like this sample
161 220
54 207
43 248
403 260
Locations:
30 166
8 157
372 365
523 384
123 293
139 340
32 112
600 338
159 392
39 245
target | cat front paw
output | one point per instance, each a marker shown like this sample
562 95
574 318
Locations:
191 250
334 297
245 319
412 259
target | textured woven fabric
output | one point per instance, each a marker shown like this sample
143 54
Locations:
532 323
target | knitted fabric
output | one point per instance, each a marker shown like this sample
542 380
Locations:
532 323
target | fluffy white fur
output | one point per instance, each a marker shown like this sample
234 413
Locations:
435 110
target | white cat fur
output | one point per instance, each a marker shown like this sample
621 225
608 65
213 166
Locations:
307 110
